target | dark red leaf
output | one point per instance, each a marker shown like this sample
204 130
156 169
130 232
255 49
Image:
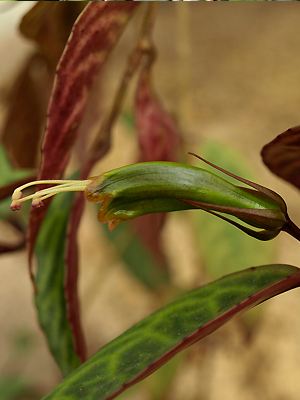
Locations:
72 269
93 36
282 156
71 277
159 139
158 134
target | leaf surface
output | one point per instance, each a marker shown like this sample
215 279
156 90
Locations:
93 36
282 156
50 278
139 261
153 341
159 139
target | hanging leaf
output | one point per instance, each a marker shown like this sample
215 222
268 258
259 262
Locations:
282 156
93 37
153 341
71 276
49 282
159 139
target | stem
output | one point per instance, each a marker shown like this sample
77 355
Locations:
292 229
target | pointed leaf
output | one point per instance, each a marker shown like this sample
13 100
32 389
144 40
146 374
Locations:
50 278
159 139
158 135
71 276
282 156
152 342
93 36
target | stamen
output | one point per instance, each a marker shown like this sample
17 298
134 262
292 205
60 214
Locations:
39 196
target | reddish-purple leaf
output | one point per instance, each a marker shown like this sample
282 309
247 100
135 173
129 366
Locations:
282 156
71 277
158 134
93 36
72 269
159 139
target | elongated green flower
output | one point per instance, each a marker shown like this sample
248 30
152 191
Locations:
151 187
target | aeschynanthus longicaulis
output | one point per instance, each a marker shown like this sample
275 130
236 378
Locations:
150 187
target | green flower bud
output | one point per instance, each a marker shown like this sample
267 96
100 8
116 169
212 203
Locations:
150 187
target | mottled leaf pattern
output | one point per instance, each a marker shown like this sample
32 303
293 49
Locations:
153 341
282 156
93 36
50 297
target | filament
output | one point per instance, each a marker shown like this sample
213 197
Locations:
40 195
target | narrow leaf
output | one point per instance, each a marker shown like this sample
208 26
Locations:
50 278
93 36
158 135
159 139
282 156
153 341
71 277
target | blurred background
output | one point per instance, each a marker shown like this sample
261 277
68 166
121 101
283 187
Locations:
229 75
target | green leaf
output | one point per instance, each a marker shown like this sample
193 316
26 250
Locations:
223 249
137 259
153 341
50 298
